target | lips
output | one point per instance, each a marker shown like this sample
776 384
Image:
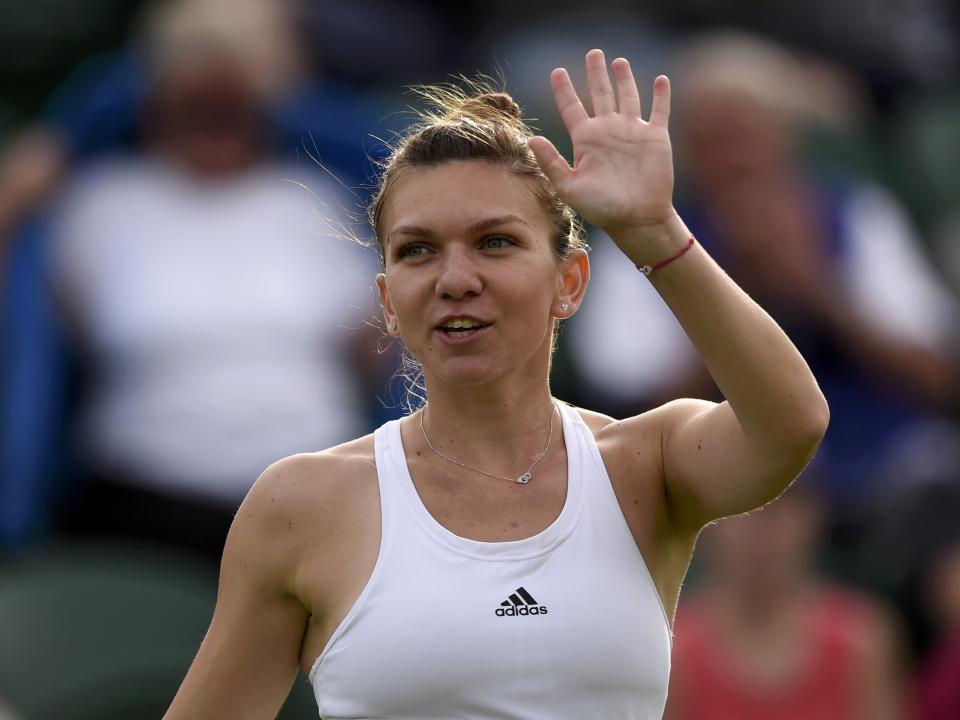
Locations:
455 335
457 331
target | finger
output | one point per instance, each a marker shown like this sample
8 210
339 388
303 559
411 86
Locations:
660 111
568 102
627 95
553 164
598 82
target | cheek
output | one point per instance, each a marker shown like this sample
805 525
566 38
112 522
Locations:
531 309
401 288
531 285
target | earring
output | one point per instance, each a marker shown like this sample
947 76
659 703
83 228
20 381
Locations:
565 307
391 326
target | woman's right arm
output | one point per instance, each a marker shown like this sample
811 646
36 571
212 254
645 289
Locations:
249 658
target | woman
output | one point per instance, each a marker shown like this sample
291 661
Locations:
498 554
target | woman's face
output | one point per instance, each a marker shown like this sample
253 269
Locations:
472 282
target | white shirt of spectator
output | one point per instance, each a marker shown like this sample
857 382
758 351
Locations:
217 316
645 350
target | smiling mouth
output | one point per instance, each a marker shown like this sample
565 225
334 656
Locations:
459 331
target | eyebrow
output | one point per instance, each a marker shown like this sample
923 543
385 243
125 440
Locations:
420 231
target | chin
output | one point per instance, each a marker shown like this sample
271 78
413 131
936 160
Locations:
468 369
465 371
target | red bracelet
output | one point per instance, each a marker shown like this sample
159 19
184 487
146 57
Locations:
647 269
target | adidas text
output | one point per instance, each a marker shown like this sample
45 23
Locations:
522 610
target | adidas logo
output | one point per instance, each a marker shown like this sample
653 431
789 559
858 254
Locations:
520 602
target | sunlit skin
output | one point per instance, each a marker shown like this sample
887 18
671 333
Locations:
470 239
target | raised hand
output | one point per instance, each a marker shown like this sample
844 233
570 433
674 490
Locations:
622 174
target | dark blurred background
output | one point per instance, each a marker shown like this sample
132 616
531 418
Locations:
182 301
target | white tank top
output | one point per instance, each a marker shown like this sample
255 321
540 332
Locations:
564 624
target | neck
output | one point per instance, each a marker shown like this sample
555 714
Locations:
499 432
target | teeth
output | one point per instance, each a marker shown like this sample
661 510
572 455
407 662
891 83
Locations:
458 323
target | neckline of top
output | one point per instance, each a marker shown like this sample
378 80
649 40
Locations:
537 544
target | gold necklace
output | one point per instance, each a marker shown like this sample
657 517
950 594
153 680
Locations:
521 479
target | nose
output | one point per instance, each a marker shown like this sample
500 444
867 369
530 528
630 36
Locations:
458 275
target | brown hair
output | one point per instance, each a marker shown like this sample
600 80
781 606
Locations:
473 122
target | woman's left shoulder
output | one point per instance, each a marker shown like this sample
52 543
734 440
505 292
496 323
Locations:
629 440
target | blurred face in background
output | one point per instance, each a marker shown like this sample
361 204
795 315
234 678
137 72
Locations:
739 156
729 138
205 114
766 551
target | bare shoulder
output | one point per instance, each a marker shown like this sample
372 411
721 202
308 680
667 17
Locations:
631 451
310 498
631 437
640 436
328 475
272 585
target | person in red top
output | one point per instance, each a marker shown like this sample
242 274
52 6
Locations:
763 637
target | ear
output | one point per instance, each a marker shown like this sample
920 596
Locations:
389 316
574 278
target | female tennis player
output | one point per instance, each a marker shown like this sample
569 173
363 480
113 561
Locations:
497 553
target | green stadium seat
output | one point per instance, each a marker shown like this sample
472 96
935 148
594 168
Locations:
98 632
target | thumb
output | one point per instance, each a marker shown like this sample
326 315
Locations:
550 160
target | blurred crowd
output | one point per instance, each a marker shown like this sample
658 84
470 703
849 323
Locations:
186 296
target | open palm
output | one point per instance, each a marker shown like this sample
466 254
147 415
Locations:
622 174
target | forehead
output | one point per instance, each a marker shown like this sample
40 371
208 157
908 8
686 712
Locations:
459 194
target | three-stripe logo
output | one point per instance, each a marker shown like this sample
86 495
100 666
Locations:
520 602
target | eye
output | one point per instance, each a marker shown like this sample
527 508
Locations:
497 242
412 250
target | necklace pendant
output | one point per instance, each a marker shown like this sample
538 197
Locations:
525 478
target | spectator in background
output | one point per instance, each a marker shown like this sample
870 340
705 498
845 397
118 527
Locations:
761 637
938 681
914 554
219 323
843 274
911 552
96 109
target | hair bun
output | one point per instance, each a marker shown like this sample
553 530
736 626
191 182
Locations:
502 104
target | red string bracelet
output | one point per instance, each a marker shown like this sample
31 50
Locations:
647 269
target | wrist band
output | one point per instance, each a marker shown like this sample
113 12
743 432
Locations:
647 269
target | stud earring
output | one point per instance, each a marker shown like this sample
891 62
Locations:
565 307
